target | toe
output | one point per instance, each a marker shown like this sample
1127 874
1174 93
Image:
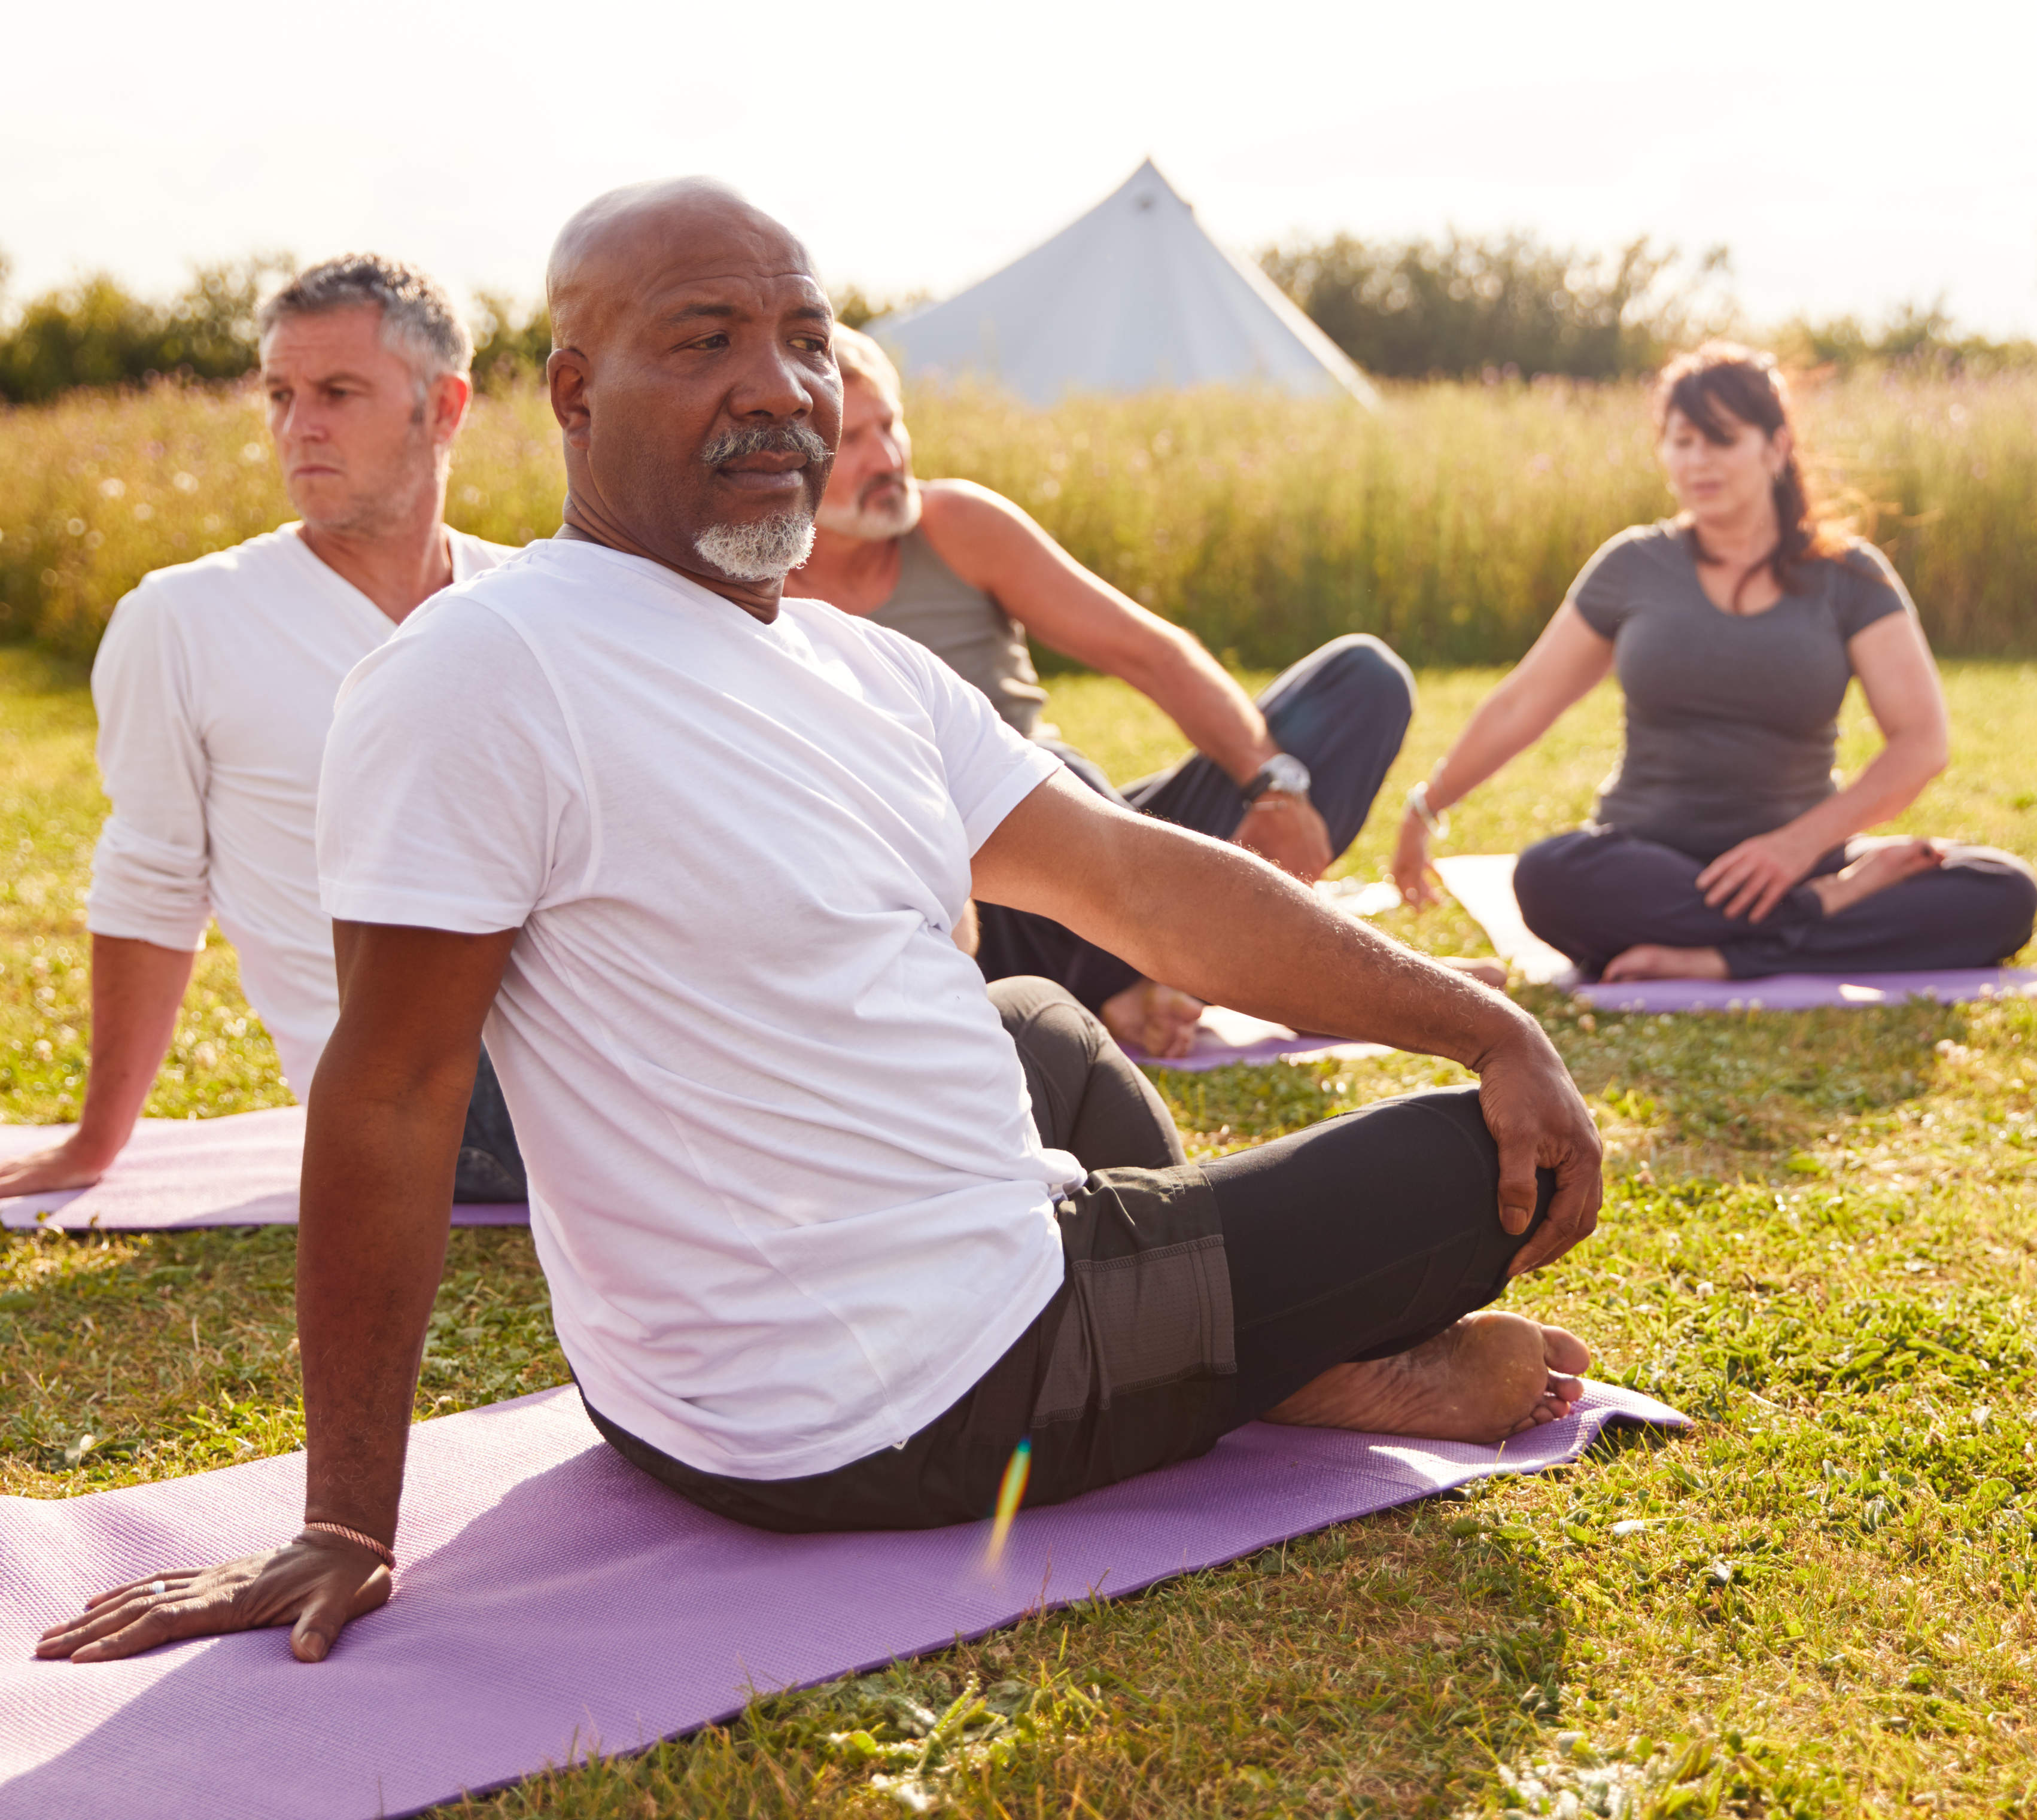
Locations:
1568 1356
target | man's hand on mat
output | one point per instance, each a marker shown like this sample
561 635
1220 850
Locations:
1539 1120
70 1165
315 1584
1154 1017
1287 831
1751 879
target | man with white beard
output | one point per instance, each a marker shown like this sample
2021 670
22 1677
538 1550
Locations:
828 1231
1290 776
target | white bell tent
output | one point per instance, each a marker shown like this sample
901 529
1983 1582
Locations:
1131 297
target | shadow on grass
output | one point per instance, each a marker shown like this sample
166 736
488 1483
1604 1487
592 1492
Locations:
1757 1082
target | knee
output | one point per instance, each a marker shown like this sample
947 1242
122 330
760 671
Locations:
1542 878
1023 997
2014 902
1369 670
1047 1022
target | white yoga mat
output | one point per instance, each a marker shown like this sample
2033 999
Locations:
1483 884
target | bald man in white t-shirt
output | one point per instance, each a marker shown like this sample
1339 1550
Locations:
828 1231
215 685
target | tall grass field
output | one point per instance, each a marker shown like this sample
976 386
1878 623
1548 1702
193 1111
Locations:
1450 523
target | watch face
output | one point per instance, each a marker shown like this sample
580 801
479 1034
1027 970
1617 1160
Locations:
1286 773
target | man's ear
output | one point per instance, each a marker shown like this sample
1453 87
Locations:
567 376
452 393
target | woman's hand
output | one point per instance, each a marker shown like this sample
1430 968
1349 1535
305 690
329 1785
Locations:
1411 869
1751 879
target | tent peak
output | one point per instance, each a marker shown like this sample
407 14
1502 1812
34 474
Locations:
1130 297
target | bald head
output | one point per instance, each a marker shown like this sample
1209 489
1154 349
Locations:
692 374
623 242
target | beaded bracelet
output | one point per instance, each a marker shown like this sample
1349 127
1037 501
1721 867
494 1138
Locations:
382 1548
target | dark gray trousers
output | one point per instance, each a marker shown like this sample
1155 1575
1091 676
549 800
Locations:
491 1164
1197 1297
1596 892
1343 711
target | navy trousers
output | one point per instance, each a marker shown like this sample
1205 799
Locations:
1343 711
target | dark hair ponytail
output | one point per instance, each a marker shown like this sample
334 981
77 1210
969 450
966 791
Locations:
1722 379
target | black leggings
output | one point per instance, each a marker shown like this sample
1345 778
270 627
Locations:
1356 1239
1597 891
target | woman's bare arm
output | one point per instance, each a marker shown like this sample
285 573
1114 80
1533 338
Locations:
1565 664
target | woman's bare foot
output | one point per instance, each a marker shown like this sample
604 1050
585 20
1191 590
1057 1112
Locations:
1875 870
1152 1017
1491 973
1650 960
1492 1375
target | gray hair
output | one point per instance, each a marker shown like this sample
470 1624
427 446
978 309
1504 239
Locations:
418 320
860 357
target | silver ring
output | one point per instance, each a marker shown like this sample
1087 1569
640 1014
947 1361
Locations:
157 1587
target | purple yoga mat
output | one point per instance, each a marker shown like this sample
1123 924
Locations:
1224 1038
239 1171
552 1599
1809 991
1483 884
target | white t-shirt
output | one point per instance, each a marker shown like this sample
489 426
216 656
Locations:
214 686
785 1182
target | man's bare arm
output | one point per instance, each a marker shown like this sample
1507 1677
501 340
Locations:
1235 931
380 1145
137 988
994 546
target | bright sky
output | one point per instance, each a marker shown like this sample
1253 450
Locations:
1851 157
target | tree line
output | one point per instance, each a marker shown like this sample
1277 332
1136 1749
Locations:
1464 306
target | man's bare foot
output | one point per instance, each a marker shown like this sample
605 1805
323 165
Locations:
1491 973
1492 1375
1649 961
1154 1018
1875 870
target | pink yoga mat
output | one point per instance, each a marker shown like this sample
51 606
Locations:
239 1171
553 1599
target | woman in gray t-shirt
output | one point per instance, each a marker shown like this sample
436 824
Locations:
1723 847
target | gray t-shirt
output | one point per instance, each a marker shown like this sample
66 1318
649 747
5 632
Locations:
967 630
1731 719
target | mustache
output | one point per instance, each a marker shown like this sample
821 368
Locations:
759 438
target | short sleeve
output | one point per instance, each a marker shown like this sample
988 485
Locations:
1604 593
452 796
991 768
1868 589
150 870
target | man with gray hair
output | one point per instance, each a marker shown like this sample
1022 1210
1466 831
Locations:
215 686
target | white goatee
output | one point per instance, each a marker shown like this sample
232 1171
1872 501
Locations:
762 550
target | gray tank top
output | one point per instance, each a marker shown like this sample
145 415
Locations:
967 630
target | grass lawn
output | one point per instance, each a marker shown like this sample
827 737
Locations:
1819 1240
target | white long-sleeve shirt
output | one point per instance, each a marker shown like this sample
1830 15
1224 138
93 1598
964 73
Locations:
215 685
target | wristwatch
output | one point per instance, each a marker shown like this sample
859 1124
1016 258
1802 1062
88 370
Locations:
1281 775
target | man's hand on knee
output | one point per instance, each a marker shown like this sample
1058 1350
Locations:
1539 1120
